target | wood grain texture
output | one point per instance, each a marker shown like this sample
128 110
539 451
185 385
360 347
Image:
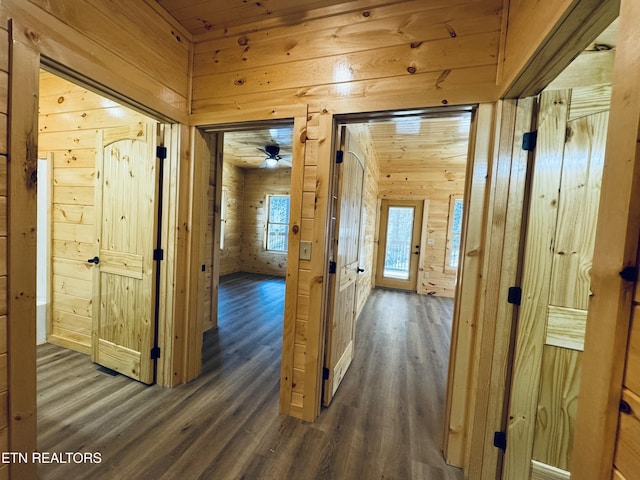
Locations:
538 261
616 246
233 183
541 471
578 211
58 30
632 371
543 38
627 457
565 327
464 328
66 112
557 406
353 62
384 421
19 294
258 183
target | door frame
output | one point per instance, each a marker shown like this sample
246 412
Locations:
414 262
26 59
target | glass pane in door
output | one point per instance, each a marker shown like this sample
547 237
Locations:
397 253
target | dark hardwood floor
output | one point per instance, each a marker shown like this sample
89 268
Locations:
385 421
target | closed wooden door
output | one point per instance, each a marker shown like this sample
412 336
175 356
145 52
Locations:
565 193
124 279
399 247
341 327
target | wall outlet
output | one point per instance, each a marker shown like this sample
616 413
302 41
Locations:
305 250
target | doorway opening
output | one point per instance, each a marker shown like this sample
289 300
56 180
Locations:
247 246
415 166
100 241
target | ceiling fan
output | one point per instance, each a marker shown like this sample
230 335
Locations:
273 157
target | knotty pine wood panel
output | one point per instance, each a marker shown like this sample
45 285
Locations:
288 45
144 38
258 184
627 456
233 184
632 372
557 406
396 61
352 76
69 119
578 211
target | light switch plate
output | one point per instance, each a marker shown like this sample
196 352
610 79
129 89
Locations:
305 250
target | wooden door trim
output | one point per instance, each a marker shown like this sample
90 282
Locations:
616 247
21 244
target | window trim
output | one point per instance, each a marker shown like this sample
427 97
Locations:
453 199
223 215
267 222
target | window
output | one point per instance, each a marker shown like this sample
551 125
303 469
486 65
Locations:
277 223
223 217
454 232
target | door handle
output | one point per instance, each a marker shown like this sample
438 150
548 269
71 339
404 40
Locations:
360 270
95 260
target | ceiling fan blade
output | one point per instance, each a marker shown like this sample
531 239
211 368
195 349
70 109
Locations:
263 151
285 162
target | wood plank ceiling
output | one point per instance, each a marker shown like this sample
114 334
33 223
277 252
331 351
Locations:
402 144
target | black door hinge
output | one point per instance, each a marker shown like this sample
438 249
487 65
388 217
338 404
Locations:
529 140
325 373
514 296
158 254
332 267
630 274
161 152
155 353
500 440
339 156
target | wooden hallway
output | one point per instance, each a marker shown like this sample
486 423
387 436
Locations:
385 421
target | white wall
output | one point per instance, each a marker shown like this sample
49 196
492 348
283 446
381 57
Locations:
42 252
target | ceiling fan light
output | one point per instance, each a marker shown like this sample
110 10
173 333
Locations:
271 162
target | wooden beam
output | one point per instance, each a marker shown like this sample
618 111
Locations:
22 168
616 246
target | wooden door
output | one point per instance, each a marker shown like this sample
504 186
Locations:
342 318
124 270
399 246
565 193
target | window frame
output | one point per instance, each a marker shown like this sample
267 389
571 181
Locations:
268 222
453 199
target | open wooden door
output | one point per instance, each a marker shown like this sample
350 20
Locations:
342 318
565 193
124 268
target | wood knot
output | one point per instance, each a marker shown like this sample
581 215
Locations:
60 99
366 14
412 70
295 229
444 102
33 36
416 44
239 81
243 41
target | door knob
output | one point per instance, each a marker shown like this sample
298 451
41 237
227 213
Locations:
95 260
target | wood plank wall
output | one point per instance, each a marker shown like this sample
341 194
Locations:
70 116
360 138
258 183
4 357
233 183
388 55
